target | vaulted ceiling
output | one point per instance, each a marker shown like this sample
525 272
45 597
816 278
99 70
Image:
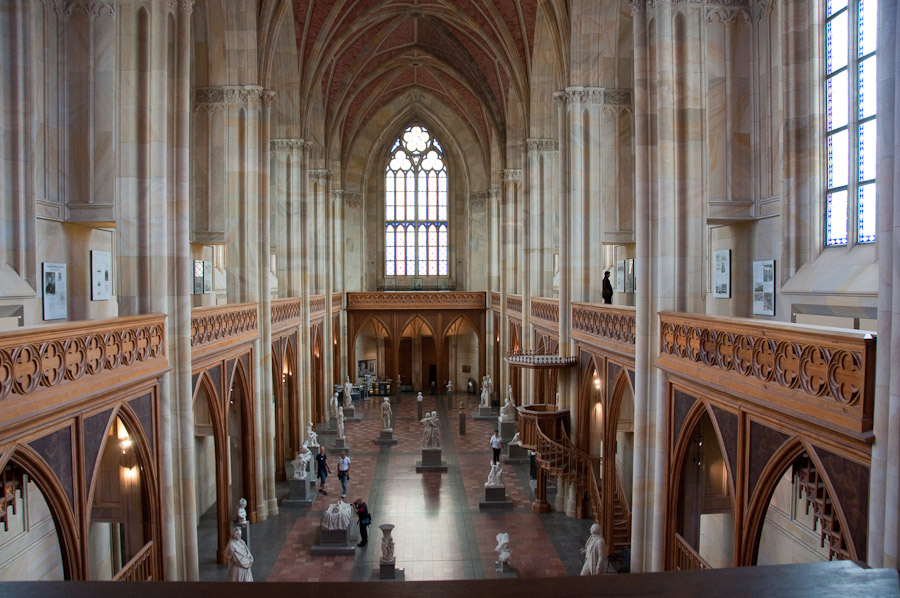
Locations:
470 54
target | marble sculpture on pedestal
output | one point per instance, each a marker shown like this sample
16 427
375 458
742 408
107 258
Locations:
337 516
237 553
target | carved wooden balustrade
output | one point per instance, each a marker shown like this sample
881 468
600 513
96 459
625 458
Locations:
286 312
140 567
530 359
337 301
811 488
11 483
802 371
317 306
416 300
219 326
542 429
545 312
495 301
514 305
38 365
621 515
613 326
686 558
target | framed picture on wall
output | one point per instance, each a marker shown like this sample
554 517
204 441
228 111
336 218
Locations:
722 273
764 288
629 276
53 290
197 288
207 276
620 276
101 278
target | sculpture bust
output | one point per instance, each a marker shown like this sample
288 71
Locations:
386 414
493 480
419 396
337 516
242 511
237 553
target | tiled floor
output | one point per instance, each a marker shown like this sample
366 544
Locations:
440 532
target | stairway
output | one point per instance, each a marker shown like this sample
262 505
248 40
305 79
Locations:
811 487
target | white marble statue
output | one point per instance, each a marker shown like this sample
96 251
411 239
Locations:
242 511
301 462
515 440
484 383
485 397
419 397
490 382
502 548
449 386
386 414
333 403
431 437
239 559
348 392
312 439
340 422
508 411
337 516
387 549
493 480
557 400
509 395
595 553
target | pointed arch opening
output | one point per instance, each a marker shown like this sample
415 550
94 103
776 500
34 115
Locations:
463 348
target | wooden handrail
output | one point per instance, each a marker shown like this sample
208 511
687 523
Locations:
140 567
218 322
686 558
621 496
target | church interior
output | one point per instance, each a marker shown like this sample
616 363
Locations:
651 243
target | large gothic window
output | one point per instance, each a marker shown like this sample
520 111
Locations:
415 207
850 40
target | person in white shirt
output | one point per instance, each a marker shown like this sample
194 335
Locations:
343 472
496 444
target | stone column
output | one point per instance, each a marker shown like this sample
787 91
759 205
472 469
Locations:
286 170
884 543
511 183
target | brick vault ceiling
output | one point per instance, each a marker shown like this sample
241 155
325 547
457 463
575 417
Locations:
470 54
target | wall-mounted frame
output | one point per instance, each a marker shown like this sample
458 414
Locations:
197 288
620 276
53 289
101 277
722 274
365 367
764 288
629 276
207 277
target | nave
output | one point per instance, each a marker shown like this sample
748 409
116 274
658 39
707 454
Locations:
440 533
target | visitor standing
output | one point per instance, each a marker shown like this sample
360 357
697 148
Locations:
322 469
496 445
343 472
607 292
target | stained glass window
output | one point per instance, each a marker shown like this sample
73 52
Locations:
850 63
415 207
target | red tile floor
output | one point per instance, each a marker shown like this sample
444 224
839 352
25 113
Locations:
440 533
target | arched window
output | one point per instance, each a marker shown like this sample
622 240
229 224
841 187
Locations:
416 230
850 40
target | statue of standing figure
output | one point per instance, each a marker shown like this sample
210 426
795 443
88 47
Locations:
494 477
595 553
502 548
485 397
431 437
340 423
237 553
386 414
348 391
449 386
333 403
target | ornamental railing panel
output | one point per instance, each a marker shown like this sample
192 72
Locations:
495 301
286 312
317 306
545 312
222 325
607 325
821 376
416 300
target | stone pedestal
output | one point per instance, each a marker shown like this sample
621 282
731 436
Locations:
516 454
508 430
462 423
334 541
495 498
303 493
431 461
350 414
386 437
386 570
329 427
485 413
340 444
419 404
504 569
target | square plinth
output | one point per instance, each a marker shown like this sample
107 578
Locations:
508 430
516 454
431 461
329 427
495 498
386 437
340 444
485 413
504 570
334 541
387 570
302 493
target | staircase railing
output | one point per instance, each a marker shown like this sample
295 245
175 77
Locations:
622 527
140 567
686 558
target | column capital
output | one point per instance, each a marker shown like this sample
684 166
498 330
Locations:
184 5
228 94
477 199
594 95
268 97
320 174
286 145
352 199
540 144
511 174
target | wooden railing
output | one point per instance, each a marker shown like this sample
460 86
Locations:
613 326
210 325
686 558
621 515
812 489
140 567
826 376
337 301
545 311
316 306
286 312
495 301
11 483
44 358
416 300
514 304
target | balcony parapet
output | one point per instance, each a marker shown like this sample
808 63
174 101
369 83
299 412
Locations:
816 375
530 359
286 312
219 326
514 305
612 326
317 306
545 311
416 300
495 301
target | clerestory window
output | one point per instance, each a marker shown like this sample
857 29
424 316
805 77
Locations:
415 206
850 41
